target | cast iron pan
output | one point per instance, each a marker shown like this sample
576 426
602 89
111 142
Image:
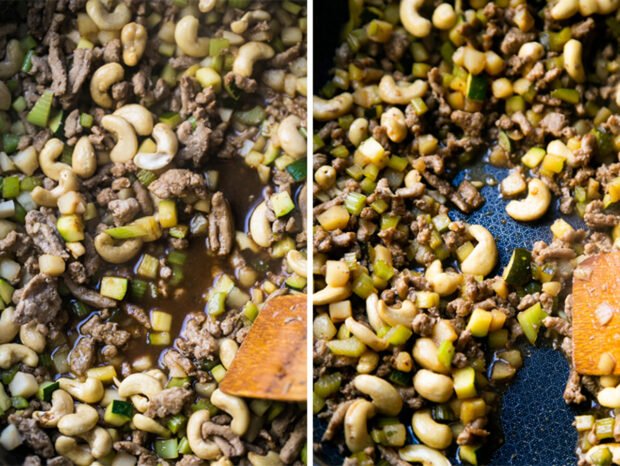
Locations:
534 424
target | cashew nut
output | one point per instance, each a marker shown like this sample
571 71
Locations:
356 434
126 142
5 97
69 448
484 256
425 354
167 146
248 54
372 312
12 353
227 351
415 24
110 252
260 228
566 8
609 397
572 60
8 329
291 140
48 159
89 391
206 6
84 159
205 449
534 205
444 17
365 335
325 110
139 384
392 93
142 422
186 37
444 283
62 404
68 182
242 24
99 440
13 60
358 131
234 406
83 420
331 294
384 396
399 314
393 120
423 455
102 80
133 38
32 337
139 116
434 387
296 261
105 20
432 433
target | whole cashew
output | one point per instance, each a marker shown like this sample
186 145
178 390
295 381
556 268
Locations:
609 397
297 261
444 283
133 38
234 406
89 391
384 396
425 354
432 433
248 54
68 182
415 24
8 329
206 6
110 252
5 97
356 434
365 335
126 142
572 60
205 449
83 420
534 205
99 440
167 146
69 448
102 80
484 256
358 131
105 20
392 93
434 387
400 314
291 140
139 116
331 294
12 353
242 24
13 60
62 404
393 120
142 422
422 454
31 336
84 160
139 384
48 159
260 228
186 37
325 110
444 17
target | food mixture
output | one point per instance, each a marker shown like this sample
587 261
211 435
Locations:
153 199
416 324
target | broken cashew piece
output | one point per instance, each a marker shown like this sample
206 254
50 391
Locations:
242 24
248 54
325 110
573 61
422 454
392 93
84 160
115 253
414 23
68 182
205 449
393 120
12 353
484 256
102 80
444 283
399 314
206 6
8 329
167 146
534 205
133 38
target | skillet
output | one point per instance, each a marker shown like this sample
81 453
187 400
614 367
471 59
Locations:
533 426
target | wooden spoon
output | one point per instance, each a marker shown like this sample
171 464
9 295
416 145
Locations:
271 363
596 315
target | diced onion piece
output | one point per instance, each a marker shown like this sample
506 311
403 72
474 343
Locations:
7 209
9 270
10 438
23 384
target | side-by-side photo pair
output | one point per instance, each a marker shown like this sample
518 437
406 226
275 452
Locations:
309 232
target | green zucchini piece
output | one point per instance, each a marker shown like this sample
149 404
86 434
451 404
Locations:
531 321
6 291
518 271
56 121
70 228
476 87
296 281
114 287
46 389
282 203
297 169
118 413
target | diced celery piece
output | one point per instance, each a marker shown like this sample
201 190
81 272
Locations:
40 112
216 304
86 120
126 231
363 286
328 384
398 335
114 287
10 187
167 449
348 347
355 202
148 267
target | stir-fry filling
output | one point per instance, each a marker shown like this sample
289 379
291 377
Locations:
153 172
412 325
